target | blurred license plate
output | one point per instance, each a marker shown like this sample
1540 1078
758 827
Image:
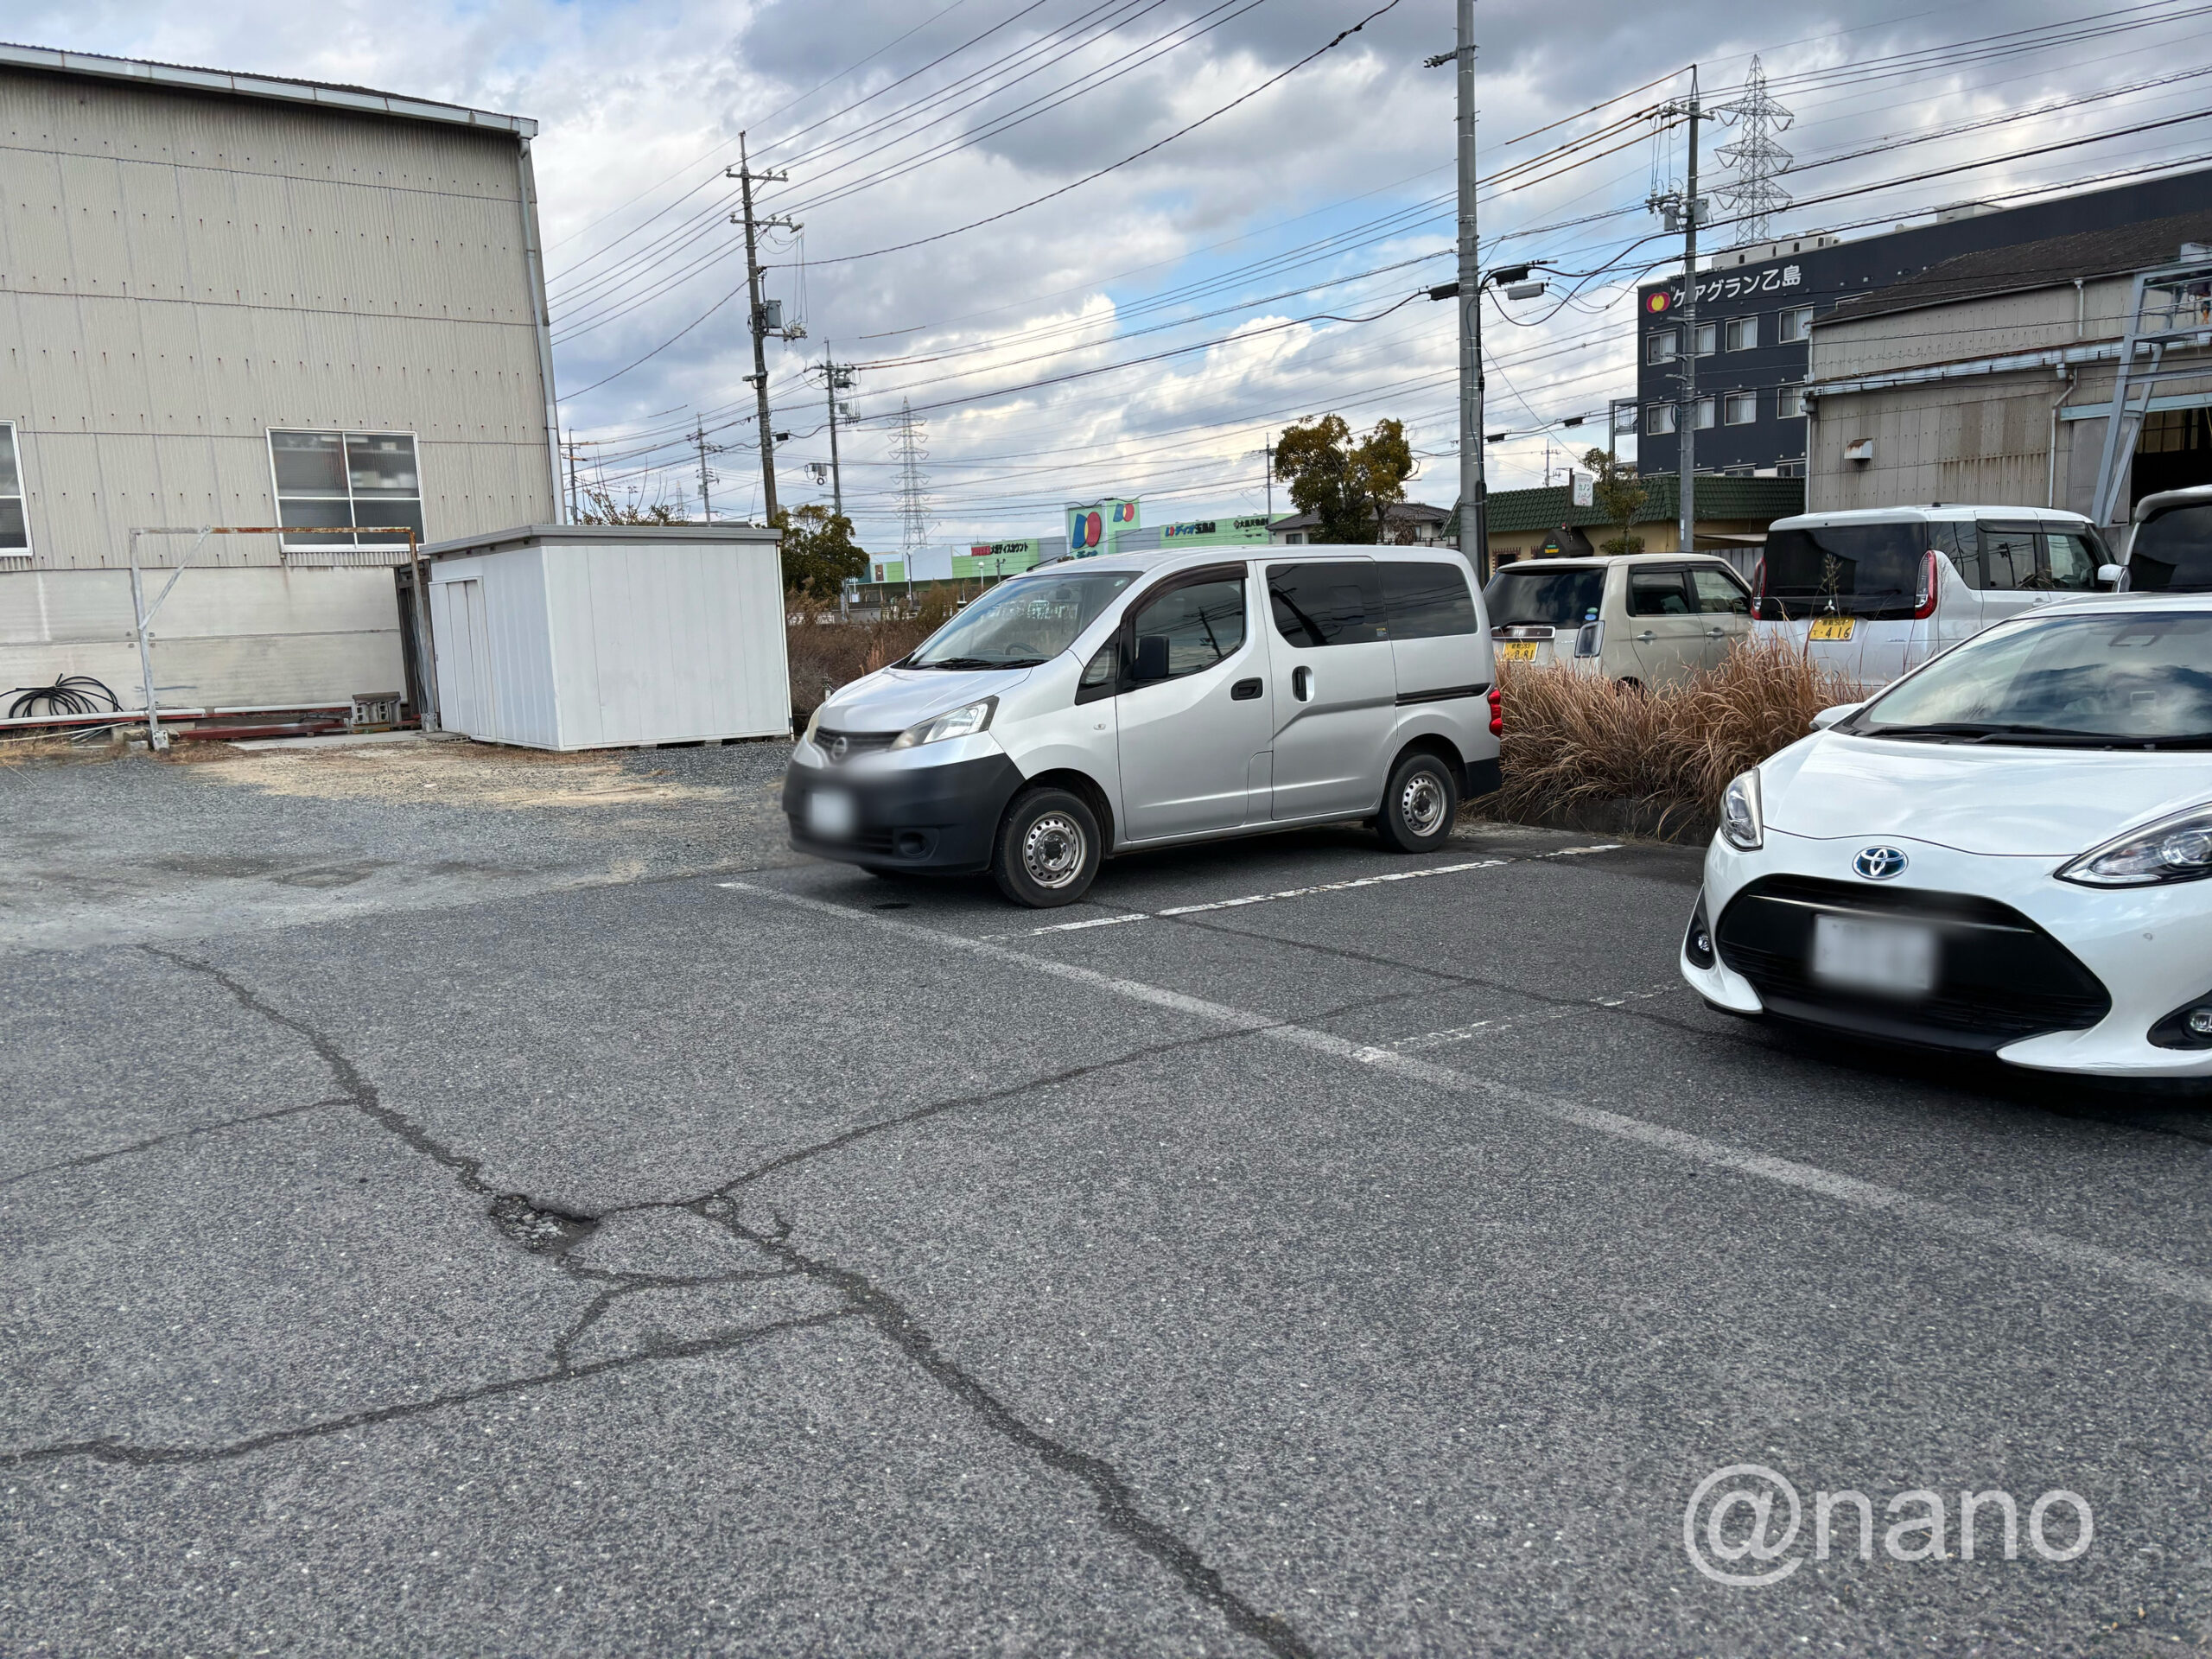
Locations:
1833 627
1895 958
830 814
1517 651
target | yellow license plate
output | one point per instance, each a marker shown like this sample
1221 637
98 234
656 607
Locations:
1517 651
1833 627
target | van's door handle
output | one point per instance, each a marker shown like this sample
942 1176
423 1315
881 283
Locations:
1645 638
1716 633
1244 690
1301 684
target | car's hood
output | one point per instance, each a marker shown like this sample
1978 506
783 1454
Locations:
892 699
1979 799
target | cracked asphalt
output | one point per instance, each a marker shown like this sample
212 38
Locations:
575 1229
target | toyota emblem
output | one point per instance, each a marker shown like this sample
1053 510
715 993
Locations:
839 744
1878 863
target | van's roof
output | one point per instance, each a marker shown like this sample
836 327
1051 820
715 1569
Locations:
1235 552
1599 561
2165 500
1933 512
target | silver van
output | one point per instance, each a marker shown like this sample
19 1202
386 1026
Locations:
1104 705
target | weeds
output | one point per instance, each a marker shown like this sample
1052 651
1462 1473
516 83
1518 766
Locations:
1577 741
826 652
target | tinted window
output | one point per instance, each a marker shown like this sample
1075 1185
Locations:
1334 604
1719 592
1198 626
2173 551
1556 598
1427 601
1656 593
2008 558
1868 570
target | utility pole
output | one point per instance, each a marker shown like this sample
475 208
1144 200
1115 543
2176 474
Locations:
706 501
1687 208
1267 453
835 378
767 316
1474 514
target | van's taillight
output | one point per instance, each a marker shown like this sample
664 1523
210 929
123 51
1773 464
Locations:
1496 712
1924 600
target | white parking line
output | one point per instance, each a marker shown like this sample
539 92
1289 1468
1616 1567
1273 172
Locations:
1461 1033
1305 893
1925 1214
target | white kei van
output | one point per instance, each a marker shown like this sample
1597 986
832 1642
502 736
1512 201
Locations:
1642 618
1876 592
1103 705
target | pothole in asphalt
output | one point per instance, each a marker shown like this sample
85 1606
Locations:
537 1230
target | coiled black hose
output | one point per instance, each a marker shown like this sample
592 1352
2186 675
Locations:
72 694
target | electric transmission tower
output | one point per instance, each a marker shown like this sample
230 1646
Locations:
1752 194
910 446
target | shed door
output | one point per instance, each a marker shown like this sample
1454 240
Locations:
466 648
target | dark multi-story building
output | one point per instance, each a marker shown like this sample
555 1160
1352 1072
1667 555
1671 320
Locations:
1756 306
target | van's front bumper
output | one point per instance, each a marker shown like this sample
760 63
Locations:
938 818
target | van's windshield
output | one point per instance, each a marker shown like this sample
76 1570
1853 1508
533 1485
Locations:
1558 599
1868 570
2172 553
1022 623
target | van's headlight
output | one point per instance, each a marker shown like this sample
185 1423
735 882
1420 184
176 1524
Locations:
813 725
2179 849
1743 825
963 722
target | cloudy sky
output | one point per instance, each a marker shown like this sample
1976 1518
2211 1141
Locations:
1143 332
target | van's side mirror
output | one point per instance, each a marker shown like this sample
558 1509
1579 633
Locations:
1152 658
1841 711
2113 578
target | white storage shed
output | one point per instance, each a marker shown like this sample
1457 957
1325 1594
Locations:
609 636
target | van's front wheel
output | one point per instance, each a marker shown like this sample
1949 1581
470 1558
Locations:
1419 804
1048 850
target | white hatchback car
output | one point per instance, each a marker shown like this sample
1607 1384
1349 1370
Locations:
1875 592
1644 618
2004 853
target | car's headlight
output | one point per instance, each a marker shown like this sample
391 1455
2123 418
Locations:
1743 825
964 721
2179 849
813 725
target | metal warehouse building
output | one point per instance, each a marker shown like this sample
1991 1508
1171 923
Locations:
238 301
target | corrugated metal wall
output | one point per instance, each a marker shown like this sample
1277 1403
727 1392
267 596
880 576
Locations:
227 638
180 273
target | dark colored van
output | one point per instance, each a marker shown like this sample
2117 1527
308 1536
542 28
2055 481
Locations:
2171 549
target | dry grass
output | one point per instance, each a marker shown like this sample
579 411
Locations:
1576 743
826 653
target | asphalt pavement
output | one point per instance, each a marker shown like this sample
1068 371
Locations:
645 1240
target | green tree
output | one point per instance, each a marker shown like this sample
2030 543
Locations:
1617 495
1350 485
819 551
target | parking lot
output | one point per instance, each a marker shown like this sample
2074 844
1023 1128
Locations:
572 1223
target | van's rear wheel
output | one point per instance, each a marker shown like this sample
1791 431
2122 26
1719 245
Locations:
1048 850
1419 804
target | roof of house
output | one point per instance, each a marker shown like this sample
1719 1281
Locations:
2026 266
362 100
1761 499
1399 513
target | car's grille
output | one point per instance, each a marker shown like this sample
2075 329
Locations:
841 747
1999 977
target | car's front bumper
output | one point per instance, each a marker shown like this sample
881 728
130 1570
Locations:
2149 948
940 818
